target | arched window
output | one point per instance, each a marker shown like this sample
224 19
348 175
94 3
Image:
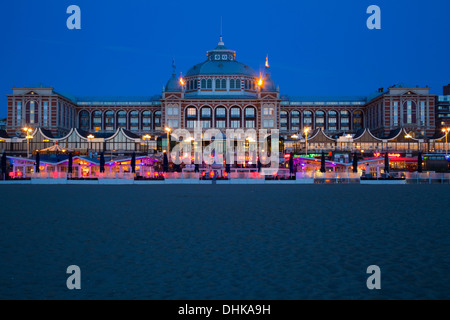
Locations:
203 84
134 120
221 117
191 117
320 119
250 117
284 120
32 112
122 119
246 84
84 120
157 119
224 83
332 120
217 84
307 119
97 121
235 117
206 116
295 120
238 83
409 112
209 84
232 82
146 120
109 121
345 120
358 121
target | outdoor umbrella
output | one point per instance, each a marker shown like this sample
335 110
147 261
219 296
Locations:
102 163
355 163
386 163
322 163
4 165
38 162
419 163
70 168
133 163
165 163
291 163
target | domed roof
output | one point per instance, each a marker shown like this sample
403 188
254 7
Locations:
269 85
212 67
221 61
173 85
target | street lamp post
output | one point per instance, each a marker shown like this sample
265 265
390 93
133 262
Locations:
409 137
90 137
168 140
147 137
306 130
28 137
446 131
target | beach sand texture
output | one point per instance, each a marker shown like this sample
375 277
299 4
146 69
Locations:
225 241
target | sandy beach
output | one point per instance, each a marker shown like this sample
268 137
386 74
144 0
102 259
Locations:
225 241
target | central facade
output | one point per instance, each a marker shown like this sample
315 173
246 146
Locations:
221 93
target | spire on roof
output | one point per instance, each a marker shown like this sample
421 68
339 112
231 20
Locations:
221 43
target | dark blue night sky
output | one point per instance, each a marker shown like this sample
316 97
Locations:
316 48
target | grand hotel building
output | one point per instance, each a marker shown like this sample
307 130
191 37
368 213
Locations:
223 93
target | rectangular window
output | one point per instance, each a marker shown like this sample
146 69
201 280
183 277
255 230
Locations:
45 113
173 123
191 124
236 113
395 113
268 111
192 112
19 113
345 120
32 109
172 111
409 112
422 113
250 124
268 123
206 124
220 124
235 124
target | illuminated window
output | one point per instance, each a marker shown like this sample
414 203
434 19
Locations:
46 114
395 113
422 113
122 119
19 113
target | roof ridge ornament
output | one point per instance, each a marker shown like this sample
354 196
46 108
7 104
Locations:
221 43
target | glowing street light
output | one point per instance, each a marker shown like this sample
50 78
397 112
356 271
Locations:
168 130
446 131
306 130
28 137
147 137
409 137
90 137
